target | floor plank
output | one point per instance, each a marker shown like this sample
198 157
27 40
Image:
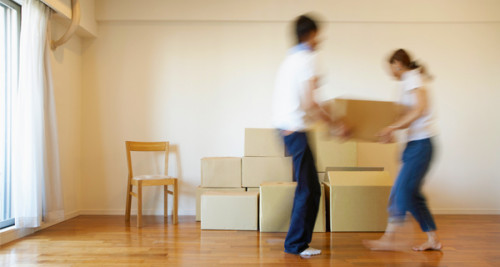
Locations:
109 241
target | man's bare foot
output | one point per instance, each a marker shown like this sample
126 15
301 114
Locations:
429 245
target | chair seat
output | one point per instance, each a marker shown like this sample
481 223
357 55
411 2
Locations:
151 177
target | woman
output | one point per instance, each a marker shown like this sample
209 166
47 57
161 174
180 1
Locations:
406 195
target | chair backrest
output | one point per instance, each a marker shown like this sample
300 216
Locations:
145 146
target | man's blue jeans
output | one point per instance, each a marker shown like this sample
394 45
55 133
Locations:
406 195
307 193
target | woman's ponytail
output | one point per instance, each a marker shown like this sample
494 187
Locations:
404 58
423 70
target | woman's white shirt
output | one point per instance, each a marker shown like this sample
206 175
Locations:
423 127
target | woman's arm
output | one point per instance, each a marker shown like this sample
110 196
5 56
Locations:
409 117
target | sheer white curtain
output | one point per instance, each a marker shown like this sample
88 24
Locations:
36 183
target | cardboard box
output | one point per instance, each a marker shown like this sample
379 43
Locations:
221 172
351 169
380 155
365 117
256 170
200 190
229 210
357 201
276 202
263 143
253 189
321 176
329 151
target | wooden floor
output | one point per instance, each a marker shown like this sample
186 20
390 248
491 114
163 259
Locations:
108 241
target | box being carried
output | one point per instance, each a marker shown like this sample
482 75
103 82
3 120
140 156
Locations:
365 117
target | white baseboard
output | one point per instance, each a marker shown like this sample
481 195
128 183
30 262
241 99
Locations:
10 234
192 212
133 211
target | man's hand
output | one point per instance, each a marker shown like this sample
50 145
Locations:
340 128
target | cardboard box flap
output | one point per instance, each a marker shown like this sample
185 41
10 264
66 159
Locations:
350 169
360 178
220 158
278 184
219 193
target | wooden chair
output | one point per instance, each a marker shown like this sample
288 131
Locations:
150 180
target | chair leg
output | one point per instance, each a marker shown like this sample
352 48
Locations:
139 204
175 216
165 201
129 202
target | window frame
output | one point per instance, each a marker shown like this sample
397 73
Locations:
11 80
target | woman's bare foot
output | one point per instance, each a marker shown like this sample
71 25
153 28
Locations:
429 245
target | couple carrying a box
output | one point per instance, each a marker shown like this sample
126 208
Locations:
294 106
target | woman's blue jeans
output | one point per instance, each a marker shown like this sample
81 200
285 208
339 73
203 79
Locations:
406 195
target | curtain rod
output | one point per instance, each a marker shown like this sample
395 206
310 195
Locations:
75 22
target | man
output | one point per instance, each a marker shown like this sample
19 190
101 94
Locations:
293 106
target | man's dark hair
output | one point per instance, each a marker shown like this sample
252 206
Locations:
304 26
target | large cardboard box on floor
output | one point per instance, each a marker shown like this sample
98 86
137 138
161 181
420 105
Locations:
221 172
200 190
276 202
380 155
332 170
357 201
365 117
256 170
328 151
229 210
263 143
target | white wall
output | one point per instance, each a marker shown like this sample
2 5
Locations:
198 80
66 64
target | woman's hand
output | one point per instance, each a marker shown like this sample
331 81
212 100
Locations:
386 135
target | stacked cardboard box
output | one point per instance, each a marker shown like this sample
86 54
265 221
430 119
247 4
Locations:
328 151
201 190
264 161
380 155
276 202
229 210
355 199
218 174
